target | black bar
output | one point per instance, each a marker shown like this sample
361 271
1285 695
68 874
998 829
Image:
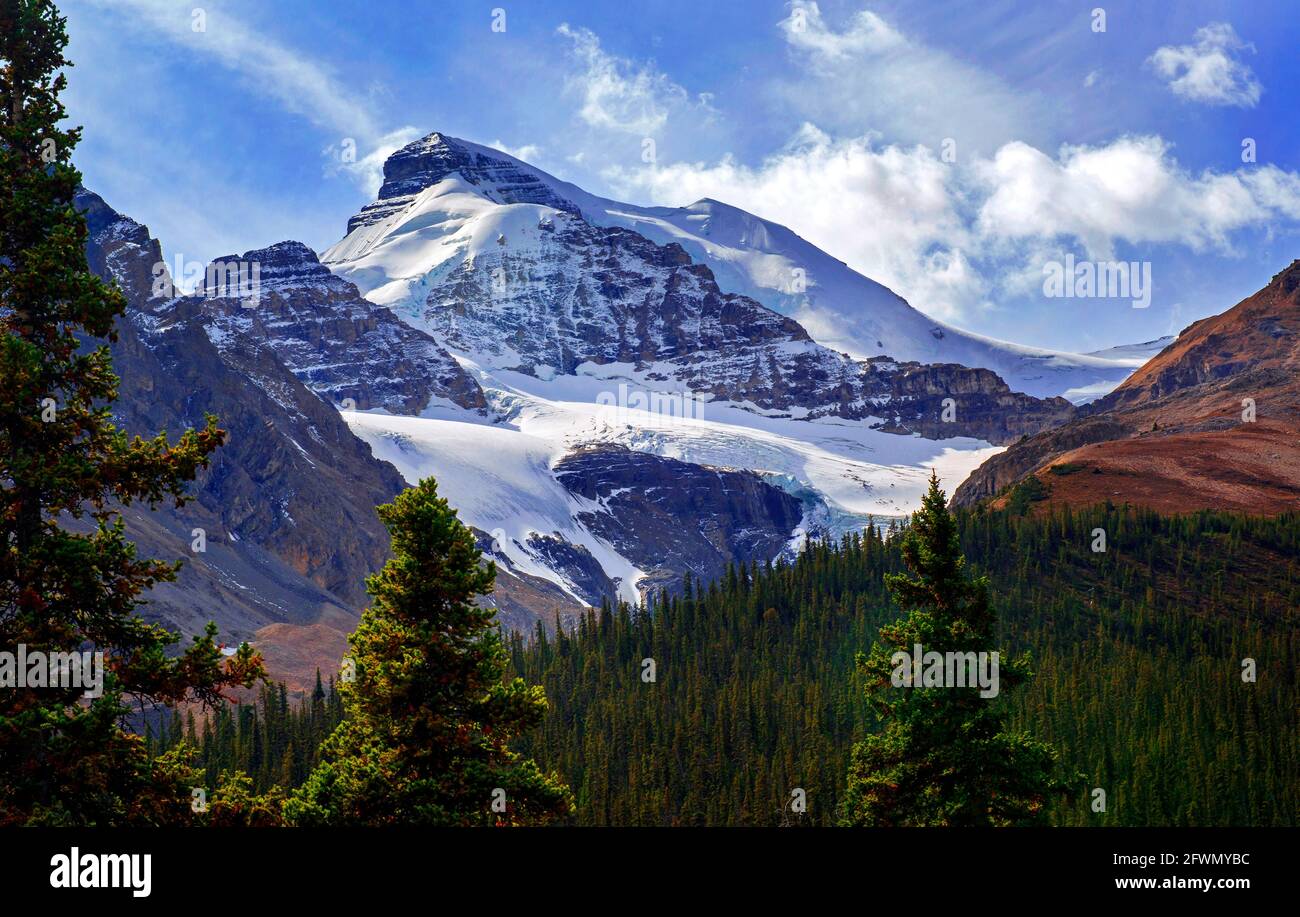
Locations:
540 867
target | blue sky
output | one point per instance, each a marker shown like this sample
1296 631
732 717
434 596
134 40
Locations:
947 149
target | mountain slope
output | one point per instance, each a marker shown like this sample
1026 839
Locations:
1212 421
600 411
1137 352
286 507
393 244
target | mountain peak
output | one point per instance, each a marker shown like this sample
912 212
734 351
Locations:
436 157
429 142
1287 280
284 265
1259 333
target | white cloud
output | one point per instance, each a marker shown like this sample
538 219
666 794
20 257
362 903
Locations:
622 96
869 73
298 83
1208 70
301 85
368 170
805 29
1131 189
888 211
950 238
952 235
529 152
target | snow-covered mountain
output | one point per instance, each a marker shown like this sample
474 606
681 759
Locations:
488 259
446 201
606 479
645 418
609 396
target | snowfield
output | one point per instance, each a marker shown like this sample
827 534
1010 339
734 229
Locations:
499 476
499 480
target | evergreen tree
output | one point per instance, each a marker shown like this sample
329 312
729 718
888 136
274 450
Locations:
430 713
943 756
62 458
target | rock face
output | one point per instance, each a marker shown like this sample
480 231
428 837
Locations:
524 601
920 398
1211 422
563 293
566 292
577 565
669 517
1009 467
339 345
292 479
120 249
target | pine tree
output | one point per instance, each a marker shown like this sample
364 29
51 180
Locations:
430 713
62 458
943 756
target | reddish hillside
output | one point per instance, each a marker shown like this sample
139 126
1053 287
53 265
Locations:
1259 333
1179 435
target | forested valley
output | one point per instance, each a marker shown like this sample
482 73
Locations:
1137 655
